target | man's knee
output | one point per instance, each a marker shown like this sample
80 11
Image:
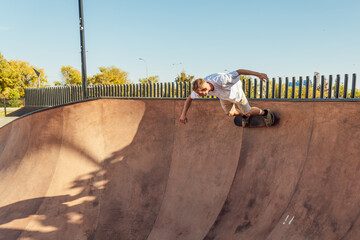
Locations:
233 114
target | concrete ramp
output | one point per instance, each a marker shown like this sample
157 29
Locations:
128 169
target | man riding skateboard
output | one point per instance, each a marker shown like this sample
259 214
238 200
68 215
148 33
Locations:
228 88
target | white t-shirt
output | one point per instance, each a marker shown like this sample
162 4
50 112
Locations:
226 86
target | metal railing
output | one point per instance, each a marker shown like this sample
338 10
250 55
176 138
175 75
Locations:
317 88
303 88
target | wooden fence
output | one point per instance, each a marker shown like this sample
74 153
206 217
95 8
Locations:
316 88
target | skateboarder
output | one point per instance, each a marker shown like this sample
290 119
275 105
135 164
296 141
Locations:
228 88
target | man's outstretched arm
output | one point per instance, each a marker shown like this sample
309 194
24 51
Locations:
261 76
187 105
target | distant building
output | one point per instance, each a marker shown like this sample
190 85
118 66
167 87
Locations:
318 79
316 75
297 83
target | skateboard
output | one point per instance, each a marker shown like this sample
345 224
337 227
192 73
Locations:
255 121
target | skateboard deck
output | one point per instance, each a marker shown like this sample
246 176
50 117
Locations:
254 121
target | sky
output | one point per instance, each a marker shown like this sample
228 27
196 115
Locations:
282 38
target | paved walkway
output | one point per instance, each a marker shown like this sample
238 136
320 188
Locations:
9 109
14 113
6 120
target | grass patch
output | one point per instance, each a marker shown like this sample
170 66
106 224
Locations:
2 113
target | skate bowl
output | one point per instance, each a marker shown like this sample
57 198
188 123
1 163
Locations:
128 169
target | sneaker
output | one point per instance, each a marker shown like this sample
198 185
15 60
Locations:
268 118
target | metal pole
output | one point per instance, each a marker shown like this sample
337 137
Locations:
82 44
5 106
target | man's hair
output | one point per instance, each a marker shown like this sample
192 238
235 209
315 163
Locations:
198 84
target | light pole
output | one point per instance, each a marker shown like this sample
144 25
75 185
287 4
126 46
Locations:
147 74
38 76
82 45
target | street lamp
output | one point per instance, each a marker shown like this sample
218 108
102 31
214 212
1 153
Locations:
82 45
38 75
147 74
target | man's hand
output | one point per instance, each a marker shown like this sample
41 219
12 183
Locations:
183 119
263 77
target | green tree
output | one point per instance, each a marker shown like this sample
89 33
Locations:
5 76
17 75
152 79
71 76
348 94
24 75
110 76
357 93
14 96
183 77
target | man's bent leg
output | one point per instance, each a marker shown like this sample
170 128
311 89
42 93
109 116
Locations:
235 111
229 108
248 111
243 106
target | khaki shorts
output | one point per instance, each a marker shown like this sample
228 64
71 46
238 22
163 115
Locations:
243 106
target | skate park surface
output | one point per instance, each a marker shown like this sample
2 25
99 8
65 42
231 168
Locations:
128 169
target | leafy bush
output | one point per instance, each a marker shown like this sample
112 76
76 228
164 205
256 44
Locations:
14 98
